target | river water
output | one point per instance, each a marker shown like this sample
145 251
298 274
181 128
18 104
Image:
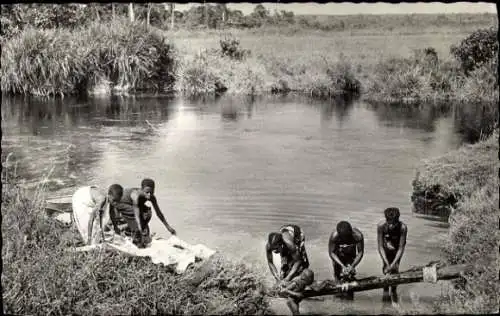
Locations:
228 171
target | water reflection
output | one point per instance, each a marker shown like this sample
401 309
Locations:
230 111
133 110
474 120
339 106
400 115
241 166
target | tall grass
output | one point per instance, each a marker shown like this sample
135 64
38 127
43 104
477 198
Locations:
123 56
420 79
58 62
469 178
473 238
40 275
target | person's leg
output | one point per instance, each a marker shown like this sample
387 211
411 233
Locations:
339 278
350 294
393 289
147 235
337 269
146 215
385 294
386 297
293 305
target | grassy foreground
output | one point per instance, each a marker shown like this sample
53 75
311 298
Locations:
466 182
120 56
41 277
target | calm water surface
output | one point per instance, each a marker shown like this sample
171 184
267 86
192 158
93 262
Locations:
229 171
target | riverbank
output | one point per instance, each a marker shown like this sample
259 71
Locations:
41 277
120 57
464 183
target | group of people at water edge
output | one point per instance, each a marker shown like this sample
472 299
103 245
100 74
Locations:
126 212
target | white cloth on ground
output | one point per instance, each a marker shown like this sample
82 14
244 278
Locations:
83 205
169 252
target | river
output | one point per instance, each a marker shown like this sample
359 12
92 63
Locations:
230 170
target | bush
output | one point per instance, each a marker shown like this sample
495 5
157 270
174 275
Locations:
198 76
58 62
482 83
41 63
427 57
477 49
130 54
230 47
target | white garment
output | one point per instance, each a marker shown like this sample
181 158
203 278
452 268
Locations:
172 251
83 204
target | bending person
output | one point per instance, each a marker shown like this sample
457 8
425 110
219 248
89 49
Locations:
89 202
137 214
346 249
289 243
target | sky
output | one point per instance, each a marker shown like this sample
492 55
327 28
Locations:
363 8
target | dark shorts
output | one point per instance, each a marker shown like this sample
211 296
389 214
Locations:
132 230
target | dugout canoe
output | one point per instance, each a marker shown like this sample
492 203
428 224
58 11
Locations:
58 205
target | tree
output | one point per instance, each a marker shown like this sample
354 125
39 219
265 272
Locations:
131 12
148 14
260 12
172 15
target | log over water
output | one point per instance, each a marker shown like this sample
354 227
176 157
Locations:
412 276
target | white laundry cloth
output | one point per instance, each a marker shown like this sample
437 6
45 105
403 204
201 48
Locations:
169 252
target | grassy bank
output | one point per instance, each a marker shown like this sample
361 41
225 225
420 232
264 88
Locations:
465 182
383 66
441 183
41 277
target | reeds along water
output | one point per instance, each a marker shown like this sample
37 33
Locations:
469 175
62 62
121 56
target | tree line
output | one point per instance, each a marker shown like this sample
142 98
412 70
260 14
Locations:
162 15
16 17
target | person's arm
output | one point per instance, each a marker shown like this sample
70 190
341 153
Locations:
295 257
93 214
401 248
113 216
380 242
331 247
135 207
321 286
272 267
160 215
101 215
292 293
360 246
